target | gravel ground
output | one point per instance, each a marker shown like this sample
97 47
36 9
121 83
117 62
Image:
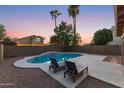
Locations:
11 76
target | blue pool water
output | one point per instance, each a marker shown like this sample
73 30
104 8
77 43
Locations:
58 56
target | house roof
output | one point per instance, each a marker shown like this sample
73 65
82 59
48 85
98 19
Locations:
32 36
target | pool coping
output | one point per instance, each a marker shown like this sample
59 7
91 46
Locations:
32 65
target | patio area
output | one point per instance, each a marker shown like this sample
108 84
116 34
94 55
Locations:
11 76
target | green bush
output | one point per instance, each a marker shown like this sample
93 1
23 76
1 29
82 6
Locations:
8 41
64 35
102 37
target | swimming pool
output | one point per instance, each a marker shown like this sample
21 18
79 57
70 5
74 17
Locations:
58 56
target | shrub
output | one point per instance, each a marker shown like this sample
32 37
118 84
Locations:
8 41
102 37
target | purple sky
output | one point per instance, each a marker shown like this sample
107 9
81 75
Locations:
21 21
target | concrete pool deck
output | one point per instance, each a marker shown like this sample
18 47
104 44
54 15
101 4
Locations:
108 72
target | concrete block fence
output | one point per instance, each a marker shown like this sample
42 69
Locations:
15 51
96 49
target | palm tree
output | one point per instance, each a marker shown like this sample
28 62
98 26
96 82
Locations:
73 11
2 32
54 14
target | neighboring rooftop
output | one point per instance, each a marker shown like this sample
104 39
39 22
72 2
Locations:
32 40
32 36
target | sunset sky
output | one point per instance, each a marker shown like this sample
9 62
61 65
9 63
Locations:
21 21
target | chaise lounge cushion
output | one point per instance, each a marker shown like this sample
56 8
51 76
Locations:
80 67
80 64
61 64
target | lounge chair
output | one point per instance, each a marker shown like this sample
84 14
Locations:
73 71
55 66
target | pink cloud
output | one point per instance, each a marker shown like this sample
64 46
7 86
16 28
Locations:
18 34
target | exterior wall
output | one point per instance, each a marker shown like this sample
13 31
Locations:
37 42
29 40
96 49
119 19
119 22
116 39
25 41
15 51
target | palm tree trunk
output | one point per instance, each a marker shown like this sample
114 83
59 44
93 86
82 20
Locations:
55 23
74 24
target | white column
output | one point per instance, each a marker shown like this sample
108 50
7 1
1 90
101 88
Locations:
1 53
